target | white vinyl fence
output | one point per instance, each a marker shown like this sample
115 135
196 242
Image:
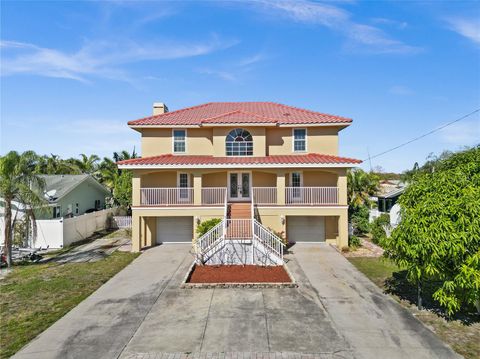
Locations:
58 233
122 221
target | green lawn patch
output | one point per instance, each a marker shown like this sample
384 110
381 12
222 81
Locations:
35 296
461 332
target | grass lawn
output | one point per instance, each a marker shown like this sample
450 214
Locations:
462 333
35 296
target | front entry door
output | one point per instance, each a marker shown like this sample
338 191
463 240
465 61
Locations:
239 186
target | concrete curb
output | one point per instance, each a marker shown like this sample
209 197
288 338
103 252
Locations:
186 285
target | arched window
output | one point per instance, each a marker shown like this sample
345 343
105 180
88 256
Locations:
239 142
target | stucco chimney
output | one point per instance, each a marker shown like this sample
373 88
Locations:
159 108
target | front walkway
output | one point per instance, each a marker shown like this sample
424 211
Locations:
142 313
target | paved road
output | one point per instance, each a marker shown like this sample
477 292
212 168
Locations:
142 313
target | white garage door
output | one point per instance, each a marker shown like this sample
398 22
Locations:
174 229
306 228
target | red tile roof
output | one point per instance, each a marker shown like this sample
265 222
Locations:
239 112
185 160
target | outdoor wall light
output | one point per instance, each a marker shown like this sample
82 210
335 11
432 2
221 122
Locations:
282 219
197 220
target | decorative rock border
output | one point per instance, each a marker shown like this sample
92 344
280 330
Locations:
186 285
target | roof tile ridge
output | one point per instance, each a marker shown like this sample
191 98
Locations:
307 111
169 113
218 116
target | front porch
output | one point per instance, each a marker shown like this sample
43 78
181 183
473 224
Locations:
264 188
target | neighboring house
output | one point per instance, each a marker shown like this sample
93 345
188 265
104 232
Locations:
72 195
386 200
244 161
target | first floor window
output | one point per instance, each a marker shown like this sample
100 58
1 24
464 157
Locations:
56 212
299 140
179 137
76 208
97 204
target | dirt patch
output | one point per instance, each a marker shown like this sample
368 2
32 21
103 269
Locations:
239 274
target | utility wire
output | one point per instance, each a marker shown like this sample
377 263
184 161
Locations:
424 135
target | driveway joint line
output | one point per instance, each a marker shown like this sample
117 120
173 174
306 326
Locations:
167 283
206 320
266 321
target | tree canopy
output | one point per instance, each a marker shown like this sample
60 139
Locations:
439 233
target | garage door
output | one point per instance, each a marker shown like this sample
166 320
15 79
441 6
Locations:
174 229
306 228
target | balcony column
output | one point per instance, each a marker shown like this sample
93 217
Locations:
342 239
197 188
281 188
149 232
342 188
136 185
136 232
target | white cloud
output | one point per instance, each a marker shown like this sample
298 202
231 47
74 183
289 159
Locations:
462 133
469 28
360 36
224 75
394 23
99 58
231 72
400 90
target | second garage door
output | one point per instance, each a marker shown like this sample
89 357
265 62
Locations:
174 229
306 228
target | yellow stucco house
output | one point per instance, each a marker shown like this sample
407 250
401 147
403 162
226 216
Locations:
262 162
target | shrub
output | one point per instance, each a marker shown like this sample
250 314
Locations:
359 219
378 228
353 241
207 225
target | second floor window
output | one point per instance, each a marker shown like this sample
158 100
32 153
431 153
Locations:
299 140
179 139
239 142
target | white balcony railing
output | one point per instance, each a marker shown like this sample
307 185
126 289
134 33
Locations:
166 196
311 195
213 195
265 195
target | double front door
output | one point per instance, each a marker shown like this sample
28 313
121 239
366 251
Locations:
239 186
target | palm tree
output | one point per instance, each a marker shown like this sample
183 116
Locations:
54 165
18 182
87 164
360 186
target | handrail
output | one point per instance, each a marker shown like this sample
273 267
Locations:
203 243
269 239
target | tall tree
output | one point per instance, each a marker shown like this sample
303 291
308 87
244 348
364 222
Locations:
360 186
439 235
87 164
18 182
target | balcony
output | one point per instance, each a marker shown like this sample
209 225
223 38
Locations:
262 196
175 196
295 196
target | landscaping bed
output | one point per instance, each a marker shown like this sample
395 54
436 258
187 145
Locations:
238 274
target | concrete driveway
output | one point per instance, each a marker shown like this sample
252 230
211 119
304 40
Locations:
142 313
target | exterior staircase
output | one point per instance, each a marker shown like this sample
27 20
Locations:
239 239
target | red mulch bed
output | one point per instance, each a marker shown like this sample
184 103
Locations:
239 274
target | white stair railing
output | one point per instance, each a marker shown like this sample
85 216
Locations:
210 239
268 239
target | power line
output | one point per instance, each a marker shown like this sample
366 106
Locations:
424 135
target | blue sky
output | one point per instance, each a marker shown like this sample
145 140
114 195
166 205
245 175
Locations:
73 73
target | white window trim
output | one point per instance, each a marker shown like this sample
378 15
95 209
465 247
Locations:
173 141
178 179
306 139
